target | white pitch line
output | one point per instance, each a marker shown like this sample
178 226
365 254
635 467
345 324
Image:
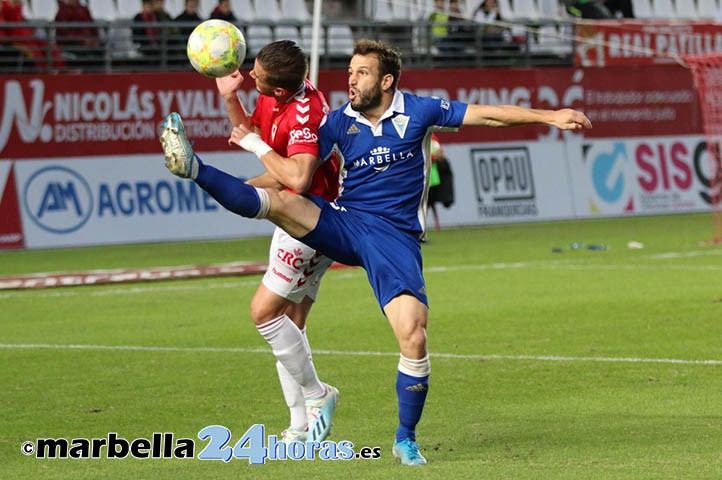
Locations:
537 358
693 253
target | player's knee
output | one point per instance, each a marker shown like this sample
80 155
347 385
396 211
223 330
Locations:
263 312
413 343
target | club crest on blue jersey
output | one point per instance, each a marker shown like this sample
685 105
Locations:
400 123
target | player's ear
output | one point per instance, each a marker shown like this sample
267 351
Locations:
387 81
279 91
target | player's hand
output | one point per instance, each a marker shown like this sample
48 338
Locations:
229 84
568 119
238 134
249 141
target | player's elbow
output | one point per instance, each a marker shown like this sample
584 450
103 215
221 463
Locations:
300 184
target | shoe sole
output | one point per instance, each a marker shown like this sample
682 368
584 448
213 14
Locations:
173 126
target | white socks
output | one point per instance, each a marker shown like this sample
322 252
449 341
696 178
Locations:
415 368
291 349
292 392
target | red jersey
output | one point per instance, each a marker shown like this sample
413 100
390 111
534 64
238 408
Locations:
291 128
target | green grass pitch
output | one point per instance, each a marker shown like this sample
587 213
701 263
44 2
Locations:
574 365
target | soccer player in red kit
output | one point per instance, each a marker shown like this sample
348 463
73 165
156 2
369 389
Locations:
286 121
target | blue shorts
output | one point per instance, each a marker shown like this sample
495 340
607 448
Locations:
391 257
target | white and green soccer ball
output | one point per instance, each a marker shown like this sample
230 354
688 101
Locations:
216 48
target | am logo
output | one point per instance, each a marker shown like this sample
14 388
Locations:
57 199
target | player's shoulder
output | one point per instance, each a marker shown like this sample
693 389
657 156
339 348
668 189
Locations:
411 100
336 116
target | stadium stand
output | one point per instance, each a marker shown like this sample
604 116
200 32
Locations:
267 10
205 8
103 9
244 10
643 9
295 10
128 9
526 10
707 9
663 10
686 10
401 22
287 32
257 36
44 9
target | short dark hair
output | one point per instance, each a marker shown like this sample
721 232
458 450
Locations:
389 58
285 64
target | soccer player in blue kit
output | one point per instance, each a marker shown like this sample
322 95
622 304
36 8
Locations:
382 136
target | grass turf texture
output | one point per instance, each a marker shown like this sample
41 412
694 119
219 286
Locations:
497 294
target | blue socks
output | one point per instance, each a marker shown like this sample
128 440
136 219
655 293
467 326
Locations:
411 392
231 192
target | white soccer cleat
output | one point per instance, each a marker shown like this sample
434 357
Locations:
179 156
293 435
319 412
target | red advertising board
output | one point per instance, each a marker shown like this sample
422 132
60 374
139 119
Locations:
54 116
609 43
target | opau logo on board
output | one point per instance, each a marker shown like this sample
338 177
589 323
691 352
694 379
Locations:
504 182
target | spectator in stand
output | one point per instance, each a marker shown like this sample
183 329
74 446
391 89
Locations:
439 20
223 11
160 12
461 33
189 15
592 9
178 46
10 55
24 39
168 35
493 36
447 29
145 32
82 44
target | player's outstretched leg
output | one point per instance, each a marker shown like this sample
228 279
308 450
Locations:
231 192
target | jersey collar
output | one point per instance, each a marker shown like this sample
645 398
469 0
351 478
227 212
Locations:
300 93
397 106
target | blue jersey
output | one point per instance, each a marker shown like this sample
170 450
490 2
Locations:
385 168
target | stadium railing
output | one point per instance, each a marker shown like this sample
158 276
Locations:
119 50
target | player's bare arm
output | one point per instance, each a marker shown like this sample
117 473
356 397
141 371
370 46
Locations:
228 87
265 180
295 172
512 115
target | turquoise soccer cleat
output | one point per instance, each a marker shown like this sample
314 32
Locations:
407 451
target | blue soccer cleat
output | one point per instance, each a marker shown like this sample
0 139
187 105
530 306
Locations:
407 451
319 412
179 156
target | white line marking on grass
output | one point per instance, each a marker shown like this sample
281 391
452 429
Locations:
537 358
694 253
